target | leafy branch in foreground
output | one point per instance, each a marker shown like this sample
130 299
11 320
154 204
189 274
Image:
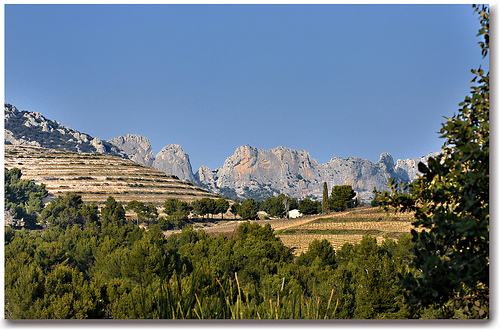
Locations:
451 204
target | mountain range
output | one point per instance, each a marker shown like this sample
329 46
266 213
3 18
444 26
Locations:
249 172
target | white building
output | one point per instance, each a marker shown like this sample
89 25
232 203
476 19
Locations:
294 214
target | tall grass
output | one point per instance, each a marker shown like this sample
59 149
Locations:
184 299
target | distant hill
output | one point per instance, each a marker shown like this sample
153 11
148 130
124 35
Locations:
259 174
97 176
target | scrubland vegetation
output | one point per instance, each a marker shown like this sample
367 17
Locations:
88 266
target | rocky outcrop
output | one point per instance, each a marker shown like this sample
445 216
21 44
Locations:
407 169
206 176
252 172
137 148
10 139
173 160
31 128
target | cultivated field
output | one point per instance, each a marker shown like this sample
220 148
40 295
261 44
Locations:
97 176
337 228
346 227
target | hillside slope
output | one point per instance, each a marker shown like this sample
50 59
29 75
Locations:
97 176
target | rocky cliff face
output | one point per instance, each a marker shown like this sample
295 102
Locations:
173 160
31 128
252 172
137 148
407 169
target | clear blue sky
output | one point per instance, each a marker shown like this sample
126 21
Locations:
335 80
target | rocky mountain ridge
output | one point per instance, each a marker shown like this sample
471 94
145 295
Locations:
249 172
31 128
253 172
171 159
257 173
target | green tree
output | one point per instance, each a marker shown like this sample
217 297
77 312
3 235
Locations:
144 212
68 295
342 197
112 213
308 206
69 209
275 206
176 209
321 250
200 207
23 198
170 205
211 206
451 205
325 208
234 209
221 206
248 209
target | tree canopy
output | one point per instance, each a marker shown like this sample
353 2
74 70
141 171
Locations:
23 198
341 198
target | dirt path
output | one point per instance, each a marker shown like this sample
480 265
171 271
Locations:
306 219
276 224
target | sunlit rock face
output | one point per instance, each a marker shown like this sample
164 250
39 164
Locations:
173 160
252 172
136 147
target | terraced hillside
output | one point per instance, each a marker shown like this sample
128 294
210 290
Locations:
97 176
346 227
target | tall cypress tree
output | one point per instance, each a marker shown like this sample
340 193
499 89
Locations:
325 208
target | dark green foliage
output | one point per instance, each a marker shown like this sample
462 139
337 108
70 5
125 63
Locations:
276 206
176 209
67 210
221 206
325 208
248 209
320 250
128 272
234 209
451 204
308 206
23 198
375 201
144 212
342 198
204 206
75 268
112 213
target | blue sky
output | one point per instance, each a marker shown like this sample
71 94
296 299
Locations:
335 80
